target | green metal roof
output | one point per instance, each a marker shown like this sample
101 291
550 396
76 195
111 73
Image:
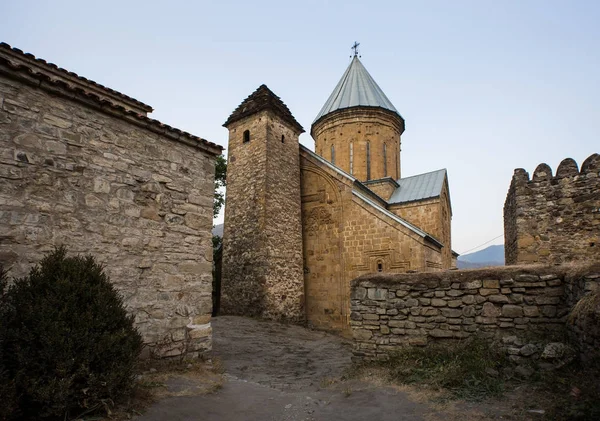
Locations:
356 88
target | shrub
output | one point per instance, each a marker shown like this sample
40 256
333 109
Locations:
66 340
7 385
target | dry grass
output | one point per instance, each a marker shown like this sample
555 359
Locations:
161 379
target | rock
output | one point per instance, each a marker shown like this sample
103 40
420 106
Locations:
528 350
556 350
491 372
509 310
524 371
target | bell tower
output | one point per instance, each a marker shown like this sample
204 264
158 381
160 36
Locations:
262 239
358 129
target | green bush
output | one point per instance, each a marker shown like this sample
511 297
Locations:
66 341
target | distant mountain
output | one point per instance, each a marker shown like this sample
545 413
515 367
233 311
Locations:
218 230
489 256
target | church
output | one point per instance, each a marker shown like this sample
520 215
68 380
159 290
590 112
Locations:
300 225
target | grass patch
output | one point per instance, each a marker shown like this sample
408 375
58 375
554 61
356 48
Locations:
468 369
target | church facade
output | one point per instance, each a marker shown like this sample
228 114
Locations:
300 225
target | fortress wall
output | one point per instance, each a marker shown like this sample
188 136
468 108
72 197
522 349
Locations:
72 173
510 304
554 219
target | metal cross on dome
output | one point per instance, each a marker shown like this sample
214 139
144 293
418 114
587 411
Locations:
355 48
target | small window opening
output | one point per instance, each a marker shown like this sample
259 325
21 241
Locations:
380 266
246 136
332 154
282 138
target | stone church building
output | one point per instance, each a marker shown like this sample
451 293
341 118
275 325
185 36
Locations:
300 225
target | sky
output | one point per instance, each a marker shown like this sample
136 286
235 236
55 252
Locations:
484 86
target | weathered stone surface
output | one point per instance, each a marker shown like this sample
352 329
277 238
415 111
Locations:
514 322
553 219
510 310
72 174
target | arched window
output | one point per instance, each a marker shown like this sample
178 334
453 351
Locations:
384 160
351 158
246 136
379 266
368 160
332 154
282 138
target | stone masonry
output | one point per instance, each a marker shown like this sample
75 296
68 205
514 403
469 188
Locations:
554 219
365 142
393 311
262 239
101 178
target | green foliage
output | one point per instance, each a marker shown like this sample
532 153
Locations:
220 182
66 340
7 385
467 369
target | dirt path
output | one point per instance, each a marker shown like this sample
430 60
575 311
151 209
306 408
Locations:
284 372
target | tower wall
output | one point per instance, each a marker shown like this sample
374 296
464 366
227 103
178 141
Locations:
262 241
554 219
358 127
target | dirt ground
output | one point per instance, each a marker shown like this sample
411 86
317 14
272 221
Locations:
284 372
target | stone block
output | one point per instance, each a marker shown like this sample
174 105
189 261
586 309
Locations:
439 333
491 283
471 284
438 302
509 310
377 294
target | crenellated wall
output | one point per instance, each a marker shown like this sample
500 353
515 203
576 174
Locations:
554 218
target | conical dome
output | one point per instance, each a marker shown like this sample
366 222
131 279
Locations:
356 88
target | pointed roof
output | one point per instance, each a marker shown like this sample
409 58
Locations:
263 99
356 88
419 187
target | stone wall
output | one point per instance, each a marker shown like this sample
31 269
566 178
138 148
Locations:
135 194
393 311
554 219
358 126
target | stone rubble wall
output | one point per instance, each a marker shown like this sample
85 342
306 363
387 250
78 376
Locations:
508 304
554 219
138 201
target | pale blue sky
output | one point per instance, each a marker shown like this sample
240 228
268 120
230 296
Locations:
484 86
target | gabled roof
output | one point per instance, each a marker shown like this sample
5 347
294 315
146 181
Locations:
356 88
263 99
22 70
419 187
372 202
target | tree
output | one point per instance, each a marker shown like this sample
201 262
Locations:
220 182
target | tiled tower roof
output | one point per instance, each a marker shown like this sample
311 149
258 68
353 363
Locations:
356 89
263 99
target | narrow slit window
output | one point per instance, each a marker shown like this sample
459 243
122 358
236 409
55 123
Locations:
246 136
368 160
384 160
380 266
282 138
332 154
351 158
